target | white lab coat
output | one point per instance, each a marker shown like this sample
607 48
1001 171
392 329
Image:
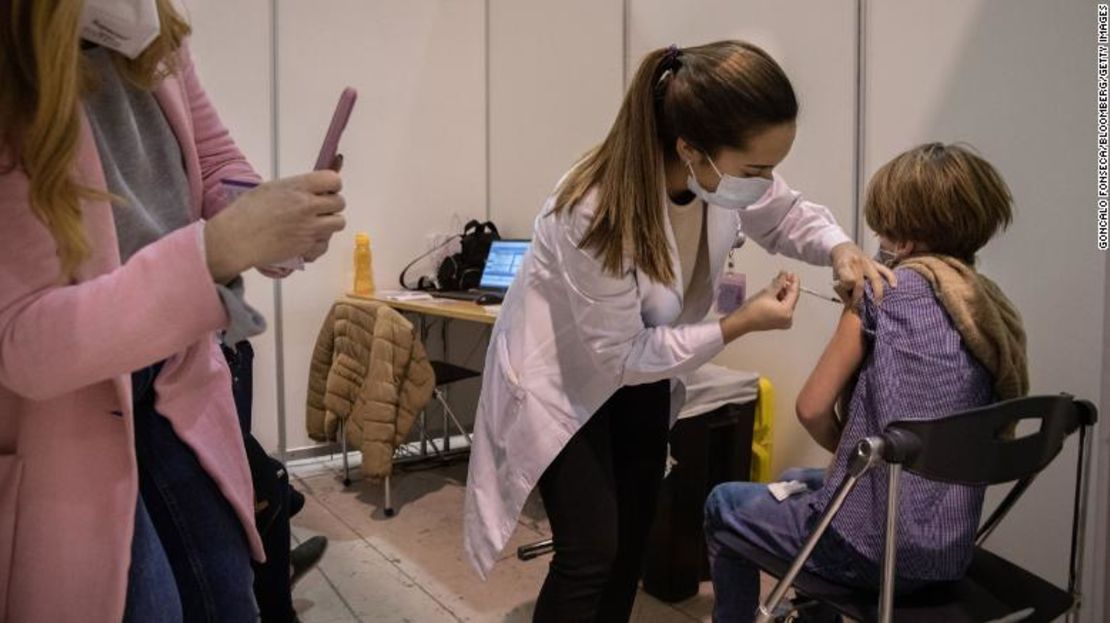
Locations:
569 335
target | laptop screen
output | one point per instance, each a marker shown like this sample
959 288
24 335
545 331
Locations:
505 258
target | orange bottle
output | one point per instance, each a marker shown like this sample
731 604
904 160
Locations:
364 265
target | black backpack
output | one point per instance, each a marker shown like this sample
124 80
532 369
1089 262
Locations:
463 270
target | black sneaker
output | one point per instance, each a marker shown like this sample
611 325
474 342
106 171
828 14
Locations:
305 556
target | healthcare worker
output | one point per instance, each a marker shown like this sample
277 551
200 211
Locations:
124 487
609 308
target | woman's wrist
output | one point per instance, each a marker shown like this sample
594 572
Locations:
839 250
735 325
221 264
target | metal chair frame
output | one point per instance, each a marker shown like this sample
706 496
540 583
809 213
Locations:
898 446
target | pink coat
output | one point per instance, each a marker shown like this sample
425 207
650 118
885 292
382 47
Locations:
68 480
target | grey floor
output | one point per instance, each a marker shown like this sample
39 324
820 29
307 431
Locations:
410 567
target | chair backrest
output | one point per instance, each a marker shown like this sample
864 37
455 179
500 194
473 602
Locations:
978 447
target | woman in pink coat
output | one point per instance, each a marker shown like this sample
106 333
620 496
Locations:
124 488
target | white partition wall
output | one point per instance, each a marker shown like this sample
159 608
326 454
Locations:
413 147
815 43
231 45
554 89
997 75
474 108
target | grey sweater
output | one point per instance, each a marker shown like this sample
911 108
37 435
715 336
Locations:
143 165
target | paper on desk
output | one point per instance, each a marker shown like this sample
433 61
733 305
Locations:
404 295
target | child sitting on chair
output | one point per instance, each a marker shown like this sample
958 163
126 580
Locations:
944 339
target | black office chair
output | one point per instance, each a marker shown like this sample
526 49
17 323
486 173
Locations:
972 447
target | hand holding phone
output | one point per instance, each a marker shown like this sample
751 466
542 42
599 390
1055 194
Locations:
330 149
329 157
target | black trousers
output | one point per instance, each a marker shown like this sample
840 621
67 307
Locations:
600 494
275 500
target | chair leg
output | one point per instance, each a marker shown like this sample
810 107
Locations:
424 432
447 412
868 454
535 550
441 397
343 449
767 609
1079 522
389 510
425 439
890 549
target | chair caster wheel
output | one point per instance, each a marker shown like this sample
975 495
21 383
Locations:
389 512
346 482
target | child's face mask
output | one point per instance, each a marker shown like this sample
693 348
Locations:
891 253
126 26
886 257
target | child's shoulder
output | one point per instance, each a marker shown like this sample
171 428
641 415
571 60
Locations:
912 293
911 285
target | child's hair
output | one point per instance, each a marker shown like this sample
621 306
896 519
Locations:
714 96
943 196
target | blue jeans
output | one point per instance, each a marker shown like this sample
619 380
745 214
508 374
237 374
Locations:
195 530
749 510
151 590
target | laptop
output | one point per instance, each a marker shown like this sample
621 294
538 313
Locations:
502 264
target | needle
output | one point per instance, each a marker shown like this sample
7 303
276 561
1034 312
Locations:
819 295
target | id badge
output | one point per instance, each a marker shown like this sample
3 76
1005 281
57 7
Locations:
731 293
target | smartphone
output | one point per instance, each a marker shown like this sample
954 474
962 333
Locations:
339 120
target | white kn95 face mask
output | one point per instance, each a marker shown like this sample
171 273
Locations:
126 26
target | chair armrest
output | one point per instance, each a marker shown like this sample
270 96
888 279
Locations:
900 446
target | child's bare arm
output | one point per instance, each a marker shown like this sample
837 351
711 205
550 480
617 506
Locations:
829 379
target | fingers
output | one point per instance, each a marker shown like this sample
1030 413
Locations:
849 275
317 251
326 225
316 182
843 292
321 205
790 282
887 274
790 294
781 282
275 272
857 296
875 279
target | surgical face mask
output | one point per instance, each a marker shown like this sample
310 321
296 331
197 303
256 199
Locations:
886 257
733 193
126 26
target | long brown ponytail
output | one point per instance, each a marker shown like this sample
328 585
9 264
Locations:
713 96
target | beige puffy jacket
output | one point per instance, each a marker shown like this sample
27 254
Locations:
368 365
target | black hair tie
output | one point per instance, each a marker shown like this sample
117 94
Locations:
668 65
670 57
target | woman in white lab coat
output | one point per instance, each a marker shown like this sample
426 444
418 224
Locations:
610 304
